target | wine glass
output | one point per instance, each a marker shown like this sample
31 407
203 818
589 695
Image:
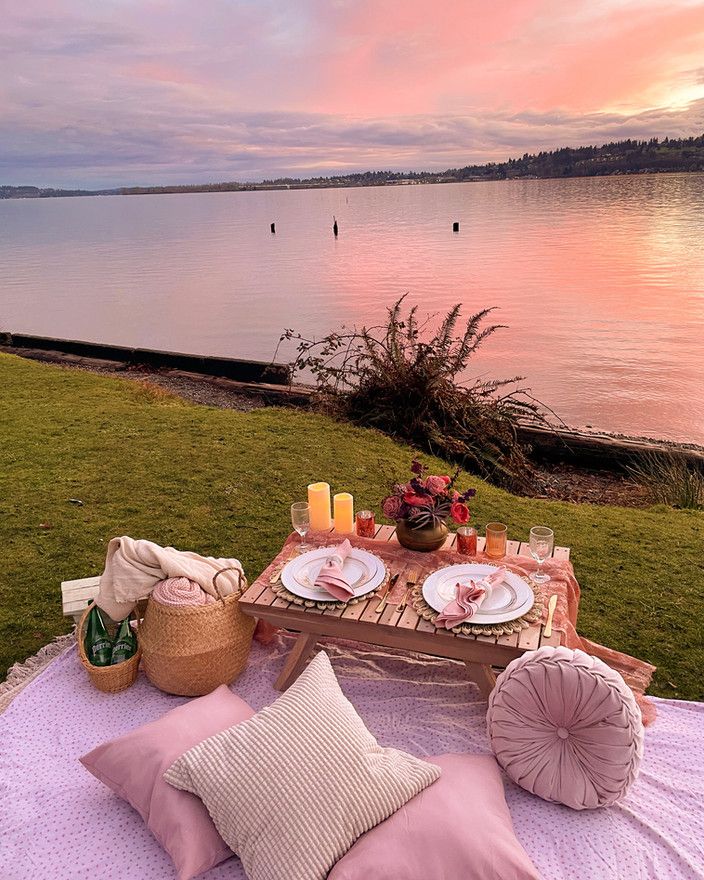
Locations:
300 519
542 540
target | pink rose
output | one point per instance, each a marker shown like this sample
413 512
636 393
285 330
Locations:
391 507
417 500
436 485
459 512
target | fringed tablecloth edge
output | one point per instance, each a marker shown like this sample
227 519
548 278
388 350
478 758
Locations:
23 673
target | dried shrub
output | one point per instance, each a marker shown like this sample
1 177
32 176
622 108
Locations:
404 378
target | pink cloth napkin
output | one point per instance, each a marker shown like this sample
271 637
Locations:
468 598
332 578
180 591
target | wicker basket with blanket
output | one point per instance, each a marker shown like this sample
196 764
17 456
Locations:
192 649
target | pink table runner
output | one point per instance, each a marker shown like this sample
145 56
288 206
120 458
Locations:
637 673
57 821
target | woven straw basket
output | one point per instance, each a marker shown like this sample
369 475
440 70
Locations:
192 649
109 679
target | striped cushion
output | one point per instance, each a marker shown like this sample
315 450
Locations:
291 789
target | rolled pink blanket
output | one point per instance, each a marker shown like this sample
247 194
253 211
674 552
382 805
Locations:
180 591
331 577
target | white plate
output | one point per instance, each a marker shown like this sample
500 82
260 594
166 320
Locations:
364 571
506 601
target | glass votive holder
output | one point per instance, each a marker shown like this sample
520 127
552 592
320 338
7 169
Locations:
366 527
495 540
467 541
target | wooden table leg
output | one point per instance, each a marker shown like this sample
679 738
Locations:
483 676
296 660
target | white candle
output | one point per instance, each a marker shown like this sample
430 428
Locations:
344 513
319 500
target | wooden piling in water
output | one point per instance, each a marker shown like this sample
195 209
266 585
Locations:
334 227
456 226
273 227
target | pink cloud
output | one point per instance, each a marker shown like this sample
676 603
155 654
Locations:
120 92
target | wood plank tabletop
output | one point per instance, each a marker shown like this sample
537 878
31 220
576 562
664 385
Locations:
405 627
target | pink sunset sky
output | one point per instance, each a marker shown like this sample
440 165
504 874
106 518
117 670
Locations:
122 92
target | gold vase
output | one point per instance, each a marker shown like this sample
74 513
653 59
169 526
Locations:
424 539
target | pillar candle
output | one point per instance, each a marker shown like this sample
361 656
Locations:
319 500
344 513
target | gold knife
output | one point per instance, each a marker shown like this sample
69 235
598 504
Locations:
552 602
389 587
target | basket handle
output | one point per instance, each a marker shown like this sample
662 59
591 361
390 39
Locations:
222 571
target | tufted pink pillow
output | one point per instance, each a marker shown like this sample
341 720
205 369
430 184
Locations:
133 766
565 726
459 828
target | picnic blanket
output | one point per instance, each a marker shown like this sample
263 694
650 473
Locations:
636 673
56 820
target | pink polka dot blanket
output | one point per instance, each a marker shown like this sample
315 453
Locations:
56 820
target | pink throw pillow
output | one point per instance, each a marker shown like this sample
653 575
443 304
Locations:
133 766
566 727
459 827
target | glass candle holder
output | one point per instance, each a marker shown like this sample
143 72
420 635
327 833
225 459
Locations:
467 541
366 527
495 540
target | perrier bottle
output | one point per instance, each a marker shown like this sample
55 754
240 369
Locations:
125 643
97 642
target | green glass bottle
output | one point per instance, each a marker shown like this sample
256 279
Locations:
125 643
97 643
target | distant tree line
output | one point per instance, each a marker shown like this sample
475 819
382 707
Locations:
619 157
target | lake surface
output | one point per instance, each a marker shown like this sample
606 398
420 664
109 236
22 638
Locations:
601 281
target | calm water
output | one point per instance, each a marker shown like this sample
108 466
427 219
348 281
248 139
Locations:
600 281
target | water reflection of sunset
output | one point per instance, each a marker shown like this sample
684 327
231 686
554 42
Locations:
600 281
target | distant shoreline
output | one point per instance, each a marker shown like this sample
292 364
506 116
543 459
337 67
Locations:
619 159
261 187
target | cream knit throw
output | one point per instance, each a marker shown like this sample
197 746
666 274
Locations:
291 789
133 568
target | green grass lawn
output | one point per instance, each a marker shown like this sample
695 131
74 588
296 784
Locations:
220 482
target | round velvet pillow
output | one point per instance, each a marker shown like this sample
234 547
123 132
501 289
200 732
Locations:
566 727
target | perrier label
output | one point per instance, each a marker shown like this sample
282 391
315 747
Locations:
125 643
97 643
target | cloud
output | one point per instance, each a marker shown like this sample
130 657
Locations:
210 147
137 91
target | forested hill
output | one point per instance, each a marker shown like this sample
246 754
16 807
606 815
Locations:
619 157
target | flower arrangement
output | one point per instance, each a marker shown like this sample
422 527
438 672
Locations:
427 500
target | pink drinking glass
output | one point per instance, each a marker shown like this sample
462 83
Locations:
467 541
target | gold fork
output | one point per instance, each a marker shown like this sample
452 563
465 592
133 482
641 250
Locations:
410 583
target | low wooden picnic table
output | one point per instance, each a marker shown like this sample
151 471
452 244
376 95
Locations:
393 629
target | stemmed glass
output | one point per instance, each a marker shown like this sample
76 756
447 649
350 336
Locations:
542 540
300 519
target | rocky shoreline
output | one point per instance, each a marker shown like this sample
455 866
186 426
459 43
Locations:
573 466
